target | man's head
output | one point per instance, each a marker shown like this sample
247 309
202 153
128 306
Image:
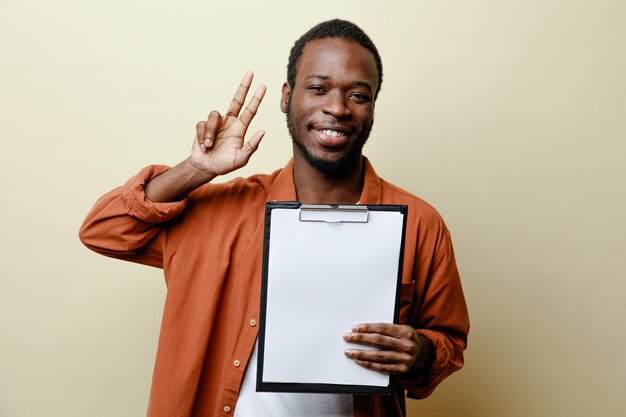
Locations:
335 28
333 78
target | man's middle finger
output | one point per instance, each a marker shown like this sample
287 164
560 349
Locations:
372 339
250 111
240 95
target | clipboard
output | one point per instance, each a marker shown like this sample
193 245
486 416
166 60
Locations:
325 268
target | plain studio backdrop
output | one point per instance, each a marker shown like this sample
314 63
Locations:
508 116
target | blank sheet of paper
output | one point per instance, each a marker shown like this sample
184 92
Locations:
321 279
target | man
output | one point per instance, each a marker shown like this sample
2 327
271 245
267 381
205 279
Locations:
207 237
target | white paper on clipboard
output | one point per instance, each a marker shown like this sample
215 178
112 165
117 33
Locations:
326 271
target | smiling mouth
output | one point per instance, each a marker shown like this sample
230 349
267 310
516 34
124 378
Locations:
333 133
331 139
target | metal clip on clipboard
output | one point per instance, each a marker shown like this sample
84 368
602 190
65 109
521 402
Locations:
333 213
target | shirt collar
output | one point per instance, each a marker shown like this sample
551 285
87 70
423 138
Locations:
284 189
372 185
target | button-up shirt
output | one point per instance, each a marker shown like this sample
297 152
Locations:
210 248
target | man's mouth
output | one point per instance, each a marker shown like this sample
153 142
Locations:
333 133
332 137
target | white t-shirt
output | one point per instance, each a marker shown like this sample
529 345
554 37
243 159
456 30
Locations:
281 404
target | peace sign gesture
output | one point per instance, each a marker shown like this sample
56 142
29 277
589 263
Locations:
219 146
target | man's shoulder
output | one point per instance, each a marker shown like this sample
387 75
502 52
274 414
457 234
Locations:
391 192
419 209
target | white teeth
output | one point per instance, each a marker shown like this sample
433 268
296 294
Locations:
332 133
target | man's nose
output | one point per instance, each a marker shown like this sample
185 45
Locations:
336 104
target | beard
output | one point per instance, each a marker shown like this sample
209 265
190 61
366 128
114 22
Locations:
338 167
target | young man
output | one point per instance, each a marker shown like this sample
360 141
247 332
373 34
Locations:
207 237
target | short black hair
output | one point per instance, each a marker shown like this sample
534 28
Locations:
335 28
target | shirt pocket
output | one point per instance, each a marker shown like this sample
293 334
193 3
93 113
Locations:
407 292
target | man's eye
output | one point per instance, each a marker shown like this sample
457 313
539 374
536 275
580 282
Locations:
317 88
361 97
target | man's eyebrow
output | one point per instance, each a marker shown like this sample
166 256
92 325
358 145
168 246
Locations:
326 78
318 76
363 84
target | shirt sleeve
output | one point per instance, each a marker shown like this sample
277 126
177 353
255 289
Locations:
123 224
442 318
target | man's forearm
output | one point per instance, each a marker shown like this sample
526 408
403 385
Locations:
176 183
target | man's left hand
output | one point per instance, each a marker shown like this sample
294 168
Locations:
399 348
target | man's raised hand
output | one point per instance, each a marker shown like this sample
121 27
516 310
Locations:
219 146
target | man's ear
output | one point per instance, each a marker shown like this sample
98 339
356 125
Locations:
284 98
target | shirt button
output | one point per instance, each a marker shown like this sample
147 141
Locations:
253 322
236 363
226 409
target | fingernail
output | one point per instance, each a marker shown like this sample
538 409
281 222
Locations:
346 335
355 328
207 143
348 352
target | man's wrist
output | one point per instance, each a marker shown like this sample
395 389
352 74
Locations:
199 173
426 356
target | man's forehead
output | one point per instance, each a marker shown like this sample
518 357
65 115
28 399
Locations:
322 57
333 45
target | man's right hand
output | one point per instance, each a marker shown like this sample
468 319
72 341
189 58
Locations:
219 146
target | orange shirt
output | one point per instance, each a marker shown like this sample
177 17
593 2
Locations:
210 247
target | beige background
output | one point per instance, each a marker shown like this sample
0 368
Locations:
509 117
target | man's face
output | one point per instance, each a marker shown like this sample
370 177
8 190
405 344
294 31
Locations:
330 110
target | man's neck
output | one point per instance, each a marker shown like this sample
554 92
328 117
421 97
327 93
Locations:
315 187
